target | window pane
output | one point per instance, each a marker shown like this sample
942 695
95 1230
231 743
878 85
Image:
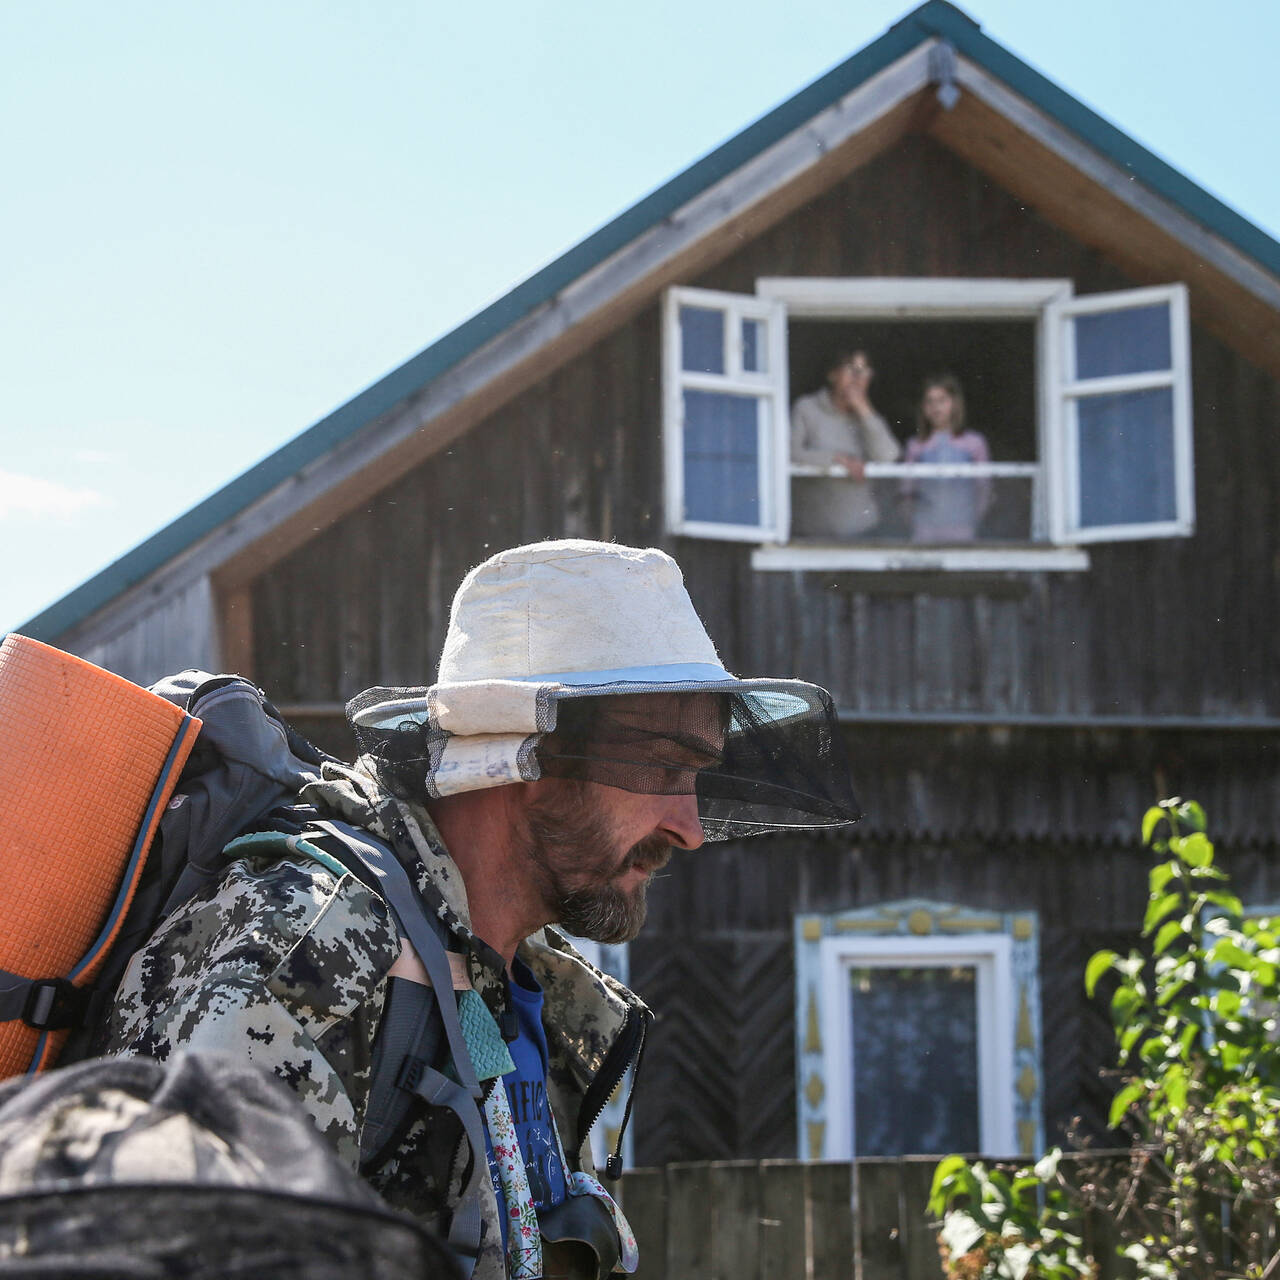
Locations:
1133 341
915 1059
1126 458
721 457
753 347
701 340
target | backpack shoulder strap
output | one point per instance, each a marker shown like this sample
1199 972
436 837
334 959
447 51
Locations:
396 888
402 1063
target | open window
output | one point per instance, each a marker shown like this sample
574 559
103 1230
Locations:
725 396
1082 408
1121 415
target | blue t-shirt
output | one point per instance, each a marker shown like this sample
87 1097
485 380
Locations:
527 1093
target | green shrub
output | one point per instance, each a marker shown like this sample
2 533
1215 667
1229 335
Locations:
1195 1018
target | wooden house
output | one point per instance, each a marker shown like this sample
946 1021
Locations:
1013 698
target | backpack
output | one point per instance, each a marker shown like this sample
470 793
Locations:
244 762
202 1166
246 766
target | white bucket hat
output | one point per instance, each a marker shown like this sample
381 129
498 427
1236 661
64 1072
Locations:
551 621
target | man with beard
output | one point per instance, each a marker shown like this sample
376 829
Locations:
581 727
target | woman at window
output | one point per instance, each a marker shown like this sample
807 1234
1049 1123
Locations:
838 426
944 509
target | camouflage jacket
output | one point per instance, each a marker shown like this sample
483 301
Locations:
286 961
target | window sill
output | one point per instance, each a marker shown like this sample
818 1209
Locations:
899 559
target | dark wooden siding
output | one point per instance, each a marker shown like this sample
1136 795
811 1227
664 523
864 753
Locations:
1179 626
1023 817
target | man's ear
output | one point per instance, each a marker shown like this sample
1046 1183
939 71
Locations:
519 797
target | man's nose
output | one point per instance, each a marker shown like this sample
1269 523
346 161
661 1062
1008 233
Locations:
681 821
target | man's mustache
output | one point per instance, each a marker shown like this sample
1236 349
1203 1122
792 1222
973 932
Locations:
650 854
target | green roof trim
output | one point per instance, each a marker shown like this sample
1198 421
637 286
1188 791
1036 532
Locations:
934 18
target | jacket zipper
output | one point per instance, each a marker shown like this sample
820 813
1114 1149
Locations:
626 1050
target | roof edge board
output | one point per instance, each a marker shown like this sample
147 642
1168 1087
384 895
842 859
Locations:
645 256
946 20
1104 170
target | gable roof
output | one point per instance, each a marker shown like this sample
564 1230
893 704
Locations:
932 21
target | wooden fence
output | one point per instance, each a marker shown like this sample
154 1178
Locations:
794 1220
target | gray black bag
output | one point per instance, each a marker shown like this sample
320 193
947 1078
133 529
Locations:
203 1167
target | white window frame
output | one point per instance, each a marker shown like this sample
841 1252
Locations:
929 298
1048 303
1066 391
769 388
990 955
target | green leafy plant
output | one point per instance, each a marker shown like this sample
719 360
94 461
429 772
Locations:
1195 1017
1015 1226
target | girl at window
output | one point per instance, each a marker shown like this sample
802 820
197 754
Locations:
946 509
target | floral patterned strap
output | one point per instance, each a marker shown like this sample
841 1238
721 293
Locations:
583 1184
524 1243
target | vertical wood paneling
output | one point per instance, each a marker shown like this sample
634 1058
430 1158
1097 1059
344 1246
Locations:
831 1220
235 630
320 649
180 631
735 1244
919 1236
358 606
410 607
878 1224
539 466
801 1216
690 1219
644 1201
783 1235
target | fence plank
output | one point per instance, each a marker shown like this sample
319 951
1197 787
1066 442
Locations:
1256 1231
877 1189
783 1234
1253 1232
644 1201
689 1220
735 1197
1098 1227
831 1220
919 1236
1100 1239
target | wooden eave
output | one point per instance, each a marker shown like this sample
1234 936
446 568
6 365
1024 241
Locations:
1100 204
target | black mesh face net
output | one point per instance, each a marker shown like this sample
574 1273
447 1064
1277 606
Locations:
758 759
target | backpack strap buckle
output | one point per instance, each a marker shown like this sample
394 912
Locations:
54 1004
410 1074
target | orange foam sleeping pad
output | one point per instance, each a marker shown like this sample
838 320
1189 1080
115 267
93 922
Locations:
88 762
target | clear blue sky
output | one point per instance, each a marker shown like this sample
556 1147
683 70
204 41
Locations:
222 221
